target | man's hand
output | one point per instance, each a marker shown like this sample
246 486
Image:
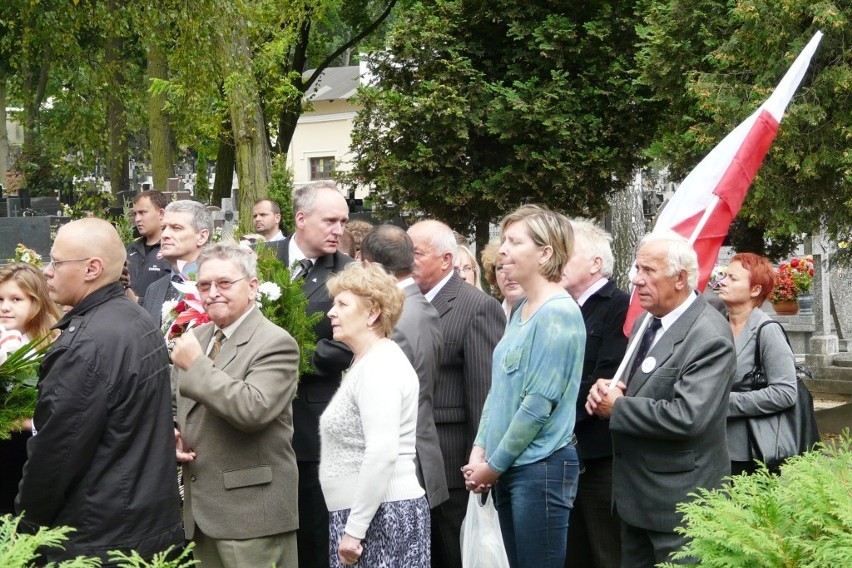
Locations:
183 455
350 550
601 398
186 351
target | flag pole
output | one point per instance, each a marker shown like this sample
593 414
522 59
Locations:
634 341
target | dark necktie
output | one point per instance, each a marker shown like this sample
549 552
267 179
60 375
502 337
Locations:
305 266
172 293
645 344
218 338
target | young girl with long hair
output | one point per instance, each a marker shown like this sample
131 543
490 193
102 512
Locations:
25 306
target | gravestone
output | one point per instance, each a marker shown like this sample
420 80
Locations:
841 305
823 345
36 233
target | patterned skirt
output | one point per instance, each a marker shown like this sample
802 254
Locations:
398 536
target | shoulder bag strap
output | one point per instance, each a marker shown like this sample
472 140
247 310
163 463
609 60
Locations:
757 364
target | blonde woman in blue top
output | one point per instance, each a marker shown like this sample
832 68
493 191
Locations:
525 444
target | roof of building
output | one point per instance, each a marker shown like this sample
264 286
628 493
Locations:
334 83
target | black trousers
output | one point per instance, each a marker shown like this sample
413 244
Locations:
594 534
312 536
643 548
446 530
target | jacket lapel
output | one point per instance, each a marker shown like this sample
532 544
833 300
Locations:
318 276
230 346
443 301
241 336
664 348
752 323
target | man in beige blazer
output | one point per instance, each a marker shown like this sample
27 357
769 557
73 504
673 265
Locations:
235 380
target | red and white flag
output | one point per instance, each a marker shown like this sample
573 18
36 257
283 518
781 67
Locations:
708 200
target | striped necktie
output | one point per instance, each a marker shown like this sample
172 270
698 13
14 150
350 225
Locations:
218 338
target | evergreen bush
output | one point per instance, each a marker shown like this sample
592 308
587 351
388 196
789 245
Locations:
799 518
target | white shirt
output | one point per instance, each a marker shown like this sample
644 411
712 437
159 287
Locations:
405 282
228 330
430 295
597 285
670 318
296 254
277 237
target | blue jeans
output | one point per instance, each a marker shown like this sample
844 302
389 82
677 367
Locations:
534 503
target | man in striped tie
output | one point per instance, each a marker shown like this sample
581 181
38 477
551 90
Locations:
236 378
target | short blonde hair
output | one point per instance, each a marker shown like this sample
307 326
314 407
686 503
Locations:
546 228
376 287
490 261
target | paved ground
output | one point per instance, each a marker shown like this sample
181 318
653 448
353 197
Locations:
834 419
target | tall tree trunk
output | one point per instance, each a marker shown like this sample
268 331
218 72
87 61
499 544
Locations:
251 146
628 226
35 86
118 159
224 166
160 132
4 134
482 235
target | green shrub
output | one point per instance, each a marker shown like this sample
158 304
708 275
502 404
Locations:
800 518
20 550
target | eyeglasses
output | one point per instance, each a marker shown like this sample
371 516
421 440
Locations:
53 263
220 285
465 268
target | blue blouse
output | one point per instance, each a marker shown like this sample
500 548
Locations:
535 377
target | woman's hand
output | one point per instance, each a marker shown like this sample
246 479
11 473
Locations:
480 477
350 550
477 457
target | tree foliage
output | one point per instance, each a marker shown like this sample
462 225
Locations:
712 62
480 106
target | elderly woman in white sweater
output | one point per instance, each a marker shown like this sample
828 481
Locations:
378 513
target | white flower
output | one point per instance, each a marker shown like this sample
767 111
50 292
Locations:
26 257
168 306
270 291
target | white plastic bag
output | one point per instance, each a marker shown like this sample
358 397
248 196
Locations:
481 541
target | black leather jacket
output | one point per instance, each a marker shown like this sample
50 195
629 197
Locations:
103 456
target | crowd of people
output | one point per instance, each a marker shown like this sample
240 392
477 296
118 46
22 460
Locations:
425 391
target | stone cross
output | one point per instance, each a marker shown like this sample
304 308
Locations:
823 345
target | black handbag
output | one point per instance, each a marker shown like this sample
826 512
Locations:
793 431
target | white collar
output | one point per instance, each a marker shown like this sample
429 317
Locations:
230 329
295 253
404 283
594 287
670 318
430 295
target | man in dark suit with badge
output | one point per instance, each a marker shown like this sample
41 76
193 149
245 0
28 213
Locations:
320 213
668 421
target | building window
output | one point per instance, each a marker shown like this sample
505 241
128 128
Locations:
322 168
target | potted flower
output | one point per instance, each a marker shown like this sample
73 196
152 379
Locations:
793 282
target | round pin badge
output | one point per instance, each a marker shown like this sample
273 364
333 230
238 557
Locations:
648 365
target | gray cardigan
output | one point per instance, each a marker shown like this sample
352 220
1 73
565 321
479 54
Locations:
779 367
